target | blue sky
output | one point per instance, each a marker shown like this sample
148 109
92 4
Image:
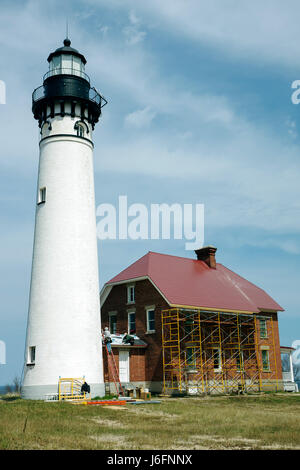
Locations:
199 111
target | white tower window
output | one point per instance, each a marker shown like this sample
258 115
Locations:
80 130
42 195
31 355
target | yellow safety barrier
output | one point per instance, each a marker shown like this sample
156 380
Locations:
70 389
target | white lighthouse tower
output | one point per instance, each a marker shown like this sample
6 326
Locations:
64 330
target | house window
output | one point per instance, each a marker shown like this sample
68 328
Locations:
42 196
113 322
217 359
263 328
130 295
188 326
150 320
191 357
265 359
131 322
31 355
285 362
240 360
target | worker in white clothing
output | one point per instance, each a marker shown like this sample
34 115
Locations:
107 339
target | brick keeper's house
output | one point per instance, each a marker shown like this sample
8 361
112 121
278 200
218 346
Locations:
202 328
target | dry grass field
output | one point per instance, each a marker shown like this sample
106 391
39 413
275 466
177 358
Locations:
270 421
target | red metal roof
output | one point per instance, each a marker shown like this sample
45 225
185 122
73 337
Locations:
188 282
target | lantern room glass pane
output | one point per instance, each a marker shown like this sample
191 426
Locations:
66 61
76 65
66 64
55 65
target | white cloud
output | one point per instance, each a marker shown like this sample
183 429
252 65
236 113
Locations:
223 152
103 29
140 118
292 128
264 241
133 36
132 32
260 31
133 18
243 180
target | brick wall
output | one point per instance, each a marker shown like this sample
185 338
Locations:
272 342
146 364
136 364
145 295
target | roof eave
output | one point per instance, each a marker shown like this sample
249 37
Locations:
212 309
270 310
127 346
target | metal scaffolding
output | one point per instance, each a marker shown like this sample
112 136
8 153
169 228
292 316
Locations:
216 352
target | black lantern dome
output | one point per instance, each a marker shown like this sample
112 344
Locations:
66 81
66 49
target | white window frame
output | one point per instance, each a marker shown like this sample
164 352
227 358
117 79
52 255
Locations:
129 287
265 328
112 314
217 369
283 361
80 130
150 309
240 358
42 195
130 312
193 364
262 362
29 355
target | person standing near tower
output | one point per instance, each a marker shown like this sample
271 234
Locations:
63 326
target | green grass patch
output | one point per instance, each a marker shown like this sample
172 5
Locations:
269 421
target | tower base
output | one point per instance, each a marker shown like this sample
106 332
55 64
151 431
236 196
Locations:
40 392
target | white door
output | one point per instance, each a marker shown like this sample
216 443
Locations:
124 366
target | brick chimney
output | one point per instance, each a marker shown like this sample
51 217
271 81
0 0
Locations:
208 255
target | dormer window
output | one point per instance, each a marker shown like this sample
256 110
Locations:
130 294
